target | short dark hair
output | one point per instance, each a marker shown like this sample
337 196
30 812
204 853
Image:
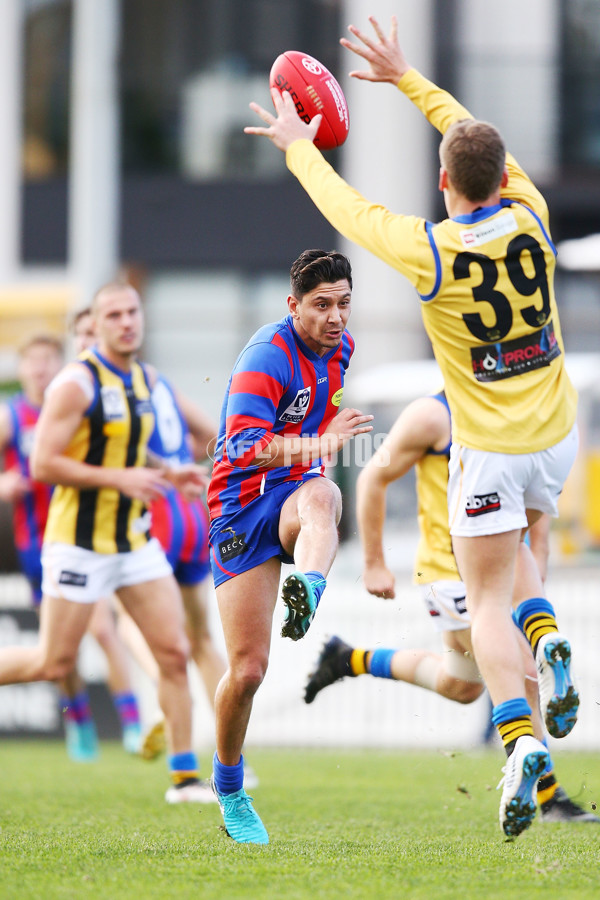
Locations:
474 155
79 315
314 267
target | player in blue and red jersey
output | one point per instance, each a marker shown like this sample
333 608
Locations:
39 361
269 500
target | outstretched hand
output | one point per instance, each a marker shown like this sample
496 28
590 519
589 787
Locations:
286 126
386 59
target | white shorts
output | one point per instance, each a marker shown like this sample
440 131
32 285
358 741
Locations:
446 604
488 493
85 576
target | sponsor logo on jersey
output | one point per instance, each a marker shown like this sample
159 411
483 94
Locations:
233 546
480 504
297 408
113 403
488 230
74 578
494 362
337 397
142 524
144 407
25 441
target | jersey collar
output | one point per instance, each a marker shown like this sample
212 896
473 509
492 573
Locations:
484 212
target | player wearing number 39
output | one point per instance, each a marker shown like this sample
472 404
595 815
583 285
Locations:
485 279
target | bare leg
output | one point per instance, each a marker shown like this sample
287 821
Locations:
204 652
487 565
135 642
62 626
308 525
429 670
246 605
103 628
157 609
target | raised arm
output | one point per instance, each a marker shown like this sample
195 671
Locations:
424 424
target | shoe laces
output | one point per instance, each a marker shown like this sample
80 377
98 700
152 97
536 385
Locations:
240 805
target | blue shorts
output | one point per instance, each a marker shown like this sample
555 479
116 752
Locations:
30 562
250 536
188 573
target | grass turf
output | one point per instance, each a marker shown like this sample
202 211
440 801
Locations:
342 824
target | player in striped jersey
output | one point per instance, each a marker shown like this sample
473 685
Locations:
269 500
485 276
91 442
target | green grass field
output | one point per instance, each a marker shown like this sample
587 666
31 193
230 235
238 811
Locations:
342 824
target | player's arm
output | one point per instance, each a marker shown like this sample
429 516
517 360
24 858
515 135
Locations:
63 410
203 430
13 484
422 425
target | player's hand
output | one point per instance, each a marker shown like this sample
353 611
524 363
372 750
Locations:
380 582
386 59
286 126
347 424
141 483
13 486
190 480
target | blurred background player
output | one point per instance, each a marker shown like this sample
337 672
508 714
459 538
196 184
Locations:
102 625
91 442
40 359
182 433
421 437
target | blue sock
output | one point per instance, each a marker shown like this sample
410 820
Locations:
381 663
183 767
318 583
533 606
510 709
228 779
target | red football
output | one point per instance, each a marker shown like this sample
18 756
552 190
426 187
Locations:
314 90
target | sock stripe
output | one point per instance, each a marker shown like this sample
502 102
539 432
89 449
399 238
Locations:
514 729
358 662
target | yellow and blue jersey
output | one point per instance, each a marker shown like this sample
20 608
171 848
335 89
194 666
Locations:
434 559
486 283
114 432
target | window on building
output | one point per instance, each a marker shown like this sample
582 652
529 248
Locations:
581 84
189 69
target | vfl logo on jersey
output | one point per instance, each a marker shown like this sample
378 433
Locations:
494 362
337 397
234 546
298 408
479 504
73 578
113 404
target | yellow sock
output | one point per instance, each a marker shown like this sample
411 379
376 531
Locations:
358 662
512 730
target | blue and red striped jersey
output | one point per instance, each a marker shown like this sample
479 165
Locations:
180 525
278 386
30 513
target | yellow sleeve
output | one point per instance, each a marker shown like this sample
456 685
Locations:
400 241
441 109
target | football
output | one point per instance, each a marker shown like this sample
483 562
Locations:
314 90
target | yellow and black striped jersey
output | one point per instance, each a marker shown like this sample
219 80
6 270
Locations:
486 283
114 432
